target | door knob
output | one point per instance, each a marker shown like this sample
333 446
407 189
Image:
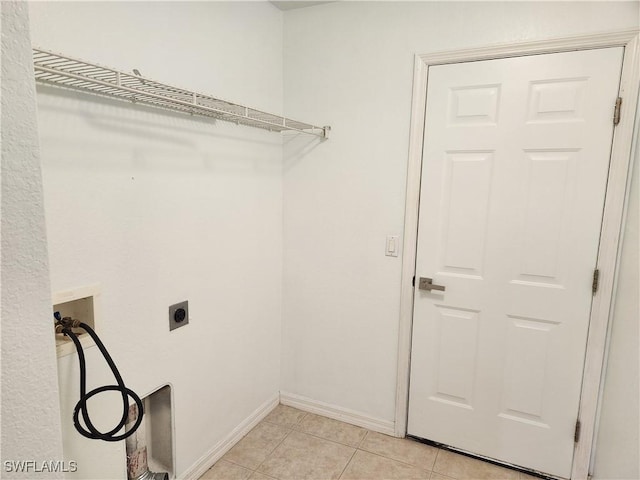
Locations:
428 285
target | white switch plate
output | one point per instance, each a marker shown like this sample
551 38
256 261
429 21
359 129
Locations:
392 246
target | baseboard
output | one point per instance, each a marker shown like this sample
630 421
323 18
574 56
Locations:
338 413
223 446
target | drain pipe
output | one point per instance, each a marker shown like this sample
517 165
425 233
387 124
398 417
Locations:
137 466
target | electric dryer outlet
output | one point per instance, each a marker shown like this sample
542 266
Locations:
178 315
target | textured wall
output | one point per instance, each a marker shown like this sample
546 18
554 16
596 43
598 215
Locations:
350 65
160 207
30 409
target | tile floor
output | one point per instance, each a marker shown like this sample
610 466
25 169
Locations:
290 444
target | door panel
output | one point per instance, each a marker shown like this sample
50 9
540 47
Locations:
467 183
515 162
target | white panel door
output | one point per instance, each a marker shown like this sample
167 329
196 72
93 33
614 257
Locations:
515 161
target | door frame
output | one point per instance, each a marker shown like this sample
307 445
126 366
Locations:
612 222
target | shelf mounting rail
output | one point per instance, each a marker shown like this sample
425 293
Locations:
67 72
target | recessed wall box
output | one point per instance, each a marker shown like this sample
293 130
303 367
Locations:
78 303
154 438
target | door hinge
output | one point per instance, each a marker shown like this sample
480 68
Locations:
413 282
576 433
596 281
616 111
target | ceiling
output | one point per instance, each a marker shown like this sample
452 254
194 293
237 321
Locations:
290 5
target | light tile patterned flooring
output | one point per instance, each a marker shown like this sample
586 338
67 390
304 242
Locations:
290 444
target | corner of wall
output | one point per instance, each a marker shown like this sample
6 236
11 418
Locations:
30 429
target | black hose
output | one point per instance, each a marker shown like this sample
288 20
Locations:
89 430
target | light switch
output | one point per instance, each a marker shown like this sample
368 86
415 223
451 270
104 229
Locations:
393 246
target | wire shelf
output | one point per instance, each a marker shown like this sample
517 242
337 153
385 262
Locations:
66 72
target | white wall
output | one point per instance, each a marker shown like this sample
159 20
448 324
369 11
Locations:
159 207
30 422
119 180
350 65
